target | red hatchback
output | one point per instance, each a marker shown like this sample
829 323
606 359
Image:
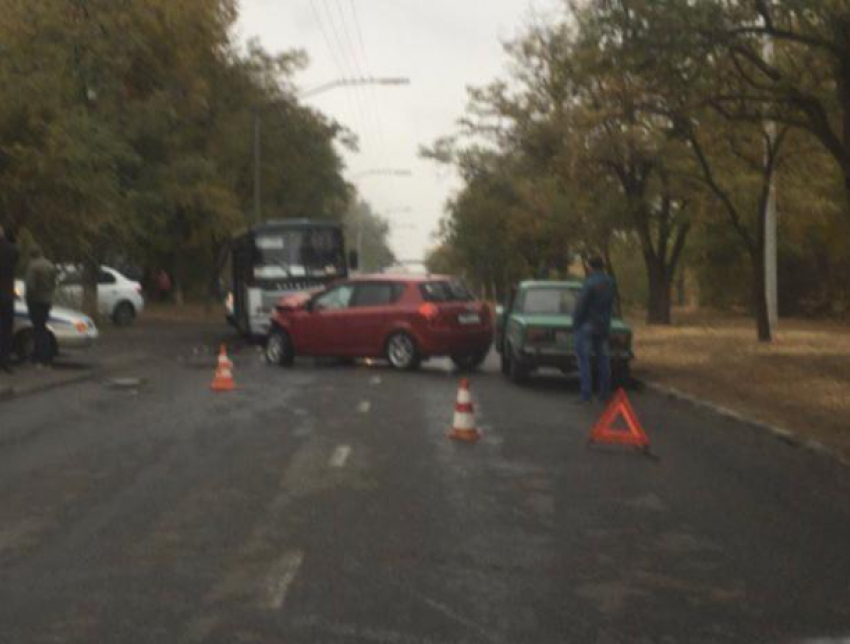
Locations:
403 318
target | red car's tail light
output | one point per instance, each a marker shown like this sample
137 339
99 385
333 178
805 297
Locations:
429 311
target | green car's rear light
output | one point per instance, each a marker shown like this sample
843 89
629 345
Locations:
537 334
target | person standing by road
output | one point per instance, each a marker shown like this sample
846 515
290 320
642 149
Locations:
40 284
8 262
591 324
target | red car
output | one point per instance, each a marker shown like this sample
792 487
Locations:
405 319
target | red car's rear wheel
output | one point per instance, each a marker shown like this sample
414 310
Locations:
402 351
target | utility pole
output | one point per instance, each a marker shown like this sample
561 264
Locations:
257 211
770 246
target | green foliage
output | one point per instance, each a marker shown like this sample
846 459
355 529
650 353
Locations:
126 132
369 232
626 126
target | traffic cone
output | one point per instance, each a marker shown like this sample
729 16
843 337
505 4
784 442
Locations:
463 427
223 380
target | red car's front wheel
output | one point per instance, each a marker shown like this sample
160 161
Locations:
279 349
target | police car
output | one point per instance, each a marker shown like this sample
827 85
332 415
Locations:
69 330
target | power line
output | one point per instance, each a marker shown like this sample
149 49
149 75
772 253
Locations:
351 69
362 43
336 61
359 62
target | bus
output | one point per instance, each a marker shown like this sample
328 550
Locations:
277 257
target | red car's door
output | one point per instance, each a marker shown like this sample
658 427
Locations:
321 330
372 314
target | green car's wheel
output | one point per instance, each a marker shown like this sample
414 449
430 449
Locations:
518 371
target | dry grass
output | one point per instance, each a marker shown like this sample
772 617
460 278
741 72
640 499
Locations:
800 382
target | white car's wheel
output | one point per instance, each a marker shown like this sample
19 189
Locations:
124 314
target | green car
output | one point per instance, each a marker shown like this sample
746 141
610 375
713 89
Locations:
535 329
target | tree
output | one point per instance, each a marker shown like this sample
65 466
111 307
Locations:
372 231
787 60
128 135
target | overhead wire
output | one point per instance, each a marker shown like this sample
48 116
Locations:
341 70
350 67
379 129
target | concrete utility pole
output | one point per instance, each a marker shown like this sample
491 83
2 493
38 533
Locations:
770 246
257 211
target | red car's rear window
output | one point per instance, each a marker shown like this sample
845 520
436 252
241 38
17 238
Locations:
445 291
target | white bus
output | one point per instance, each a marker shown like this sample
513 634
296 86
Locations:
274 258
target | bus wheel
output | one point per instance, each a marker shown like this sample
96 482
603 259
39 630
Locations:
279 349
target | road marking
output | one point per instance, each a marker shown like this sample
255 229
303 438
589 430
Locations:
364 406
453 615
339 456
376 380
281 577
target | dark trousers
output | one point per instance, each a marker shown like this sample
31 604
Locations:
596 345
7 319
39 314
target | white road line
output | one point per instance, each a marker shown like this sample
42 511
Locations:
339 456
282 574
364 406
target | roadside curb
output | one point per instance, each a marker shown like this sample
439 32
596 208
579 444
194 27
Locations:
785 435
8 393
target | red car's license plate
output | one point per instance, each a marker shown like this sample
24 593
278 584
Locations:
469 318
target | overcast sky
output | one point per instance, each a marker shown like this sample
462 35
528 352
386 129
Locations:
442 46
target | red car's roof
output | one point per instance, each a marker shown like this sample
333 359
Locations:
399 277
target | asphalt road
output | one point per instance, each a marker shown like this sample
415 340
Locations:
325 504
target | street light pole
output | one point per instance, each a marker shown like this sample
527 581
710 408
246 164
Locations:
391 172
354 82
257 211
770 237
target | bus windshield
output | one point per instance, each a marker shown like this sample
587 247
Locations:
299 253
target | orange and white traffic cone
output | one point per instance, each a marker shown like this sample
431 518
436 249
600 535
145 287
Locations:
223 380
463 427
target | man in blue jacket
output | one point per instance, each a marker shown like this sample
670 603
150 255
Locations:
591 325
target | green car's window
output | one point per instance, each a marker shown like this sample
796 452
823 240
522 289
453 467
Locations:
548 301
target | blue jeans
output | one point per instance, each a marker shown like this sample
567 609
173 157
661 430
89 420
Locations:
587 344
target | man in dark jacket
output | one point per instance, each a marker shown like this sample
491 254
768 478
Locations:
8 261
591 324
40 284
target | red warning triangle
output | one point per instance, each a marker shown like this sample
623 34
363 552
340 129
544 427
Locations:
605 432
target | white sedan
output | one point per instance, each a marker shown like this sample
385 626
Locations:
69 330
118 297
